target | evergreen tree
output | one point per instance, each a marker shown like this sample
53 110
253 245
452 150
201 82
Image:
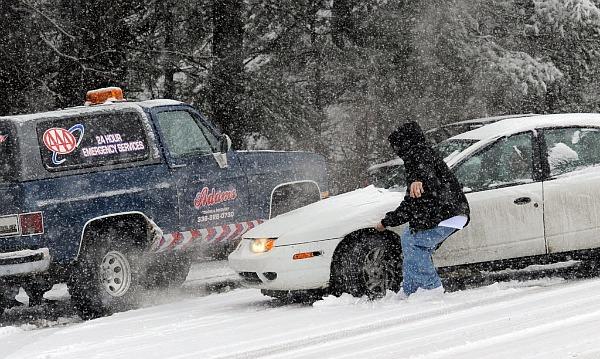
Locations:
23 68
91 48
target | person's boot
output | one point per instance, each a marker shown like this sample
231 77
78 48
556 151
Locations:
429 294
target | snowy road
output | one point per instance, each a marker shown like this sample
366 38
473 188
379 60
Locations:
544 318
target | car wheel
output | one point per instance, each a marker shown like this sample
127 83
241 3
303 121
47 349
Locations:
169 271
369 265
107 277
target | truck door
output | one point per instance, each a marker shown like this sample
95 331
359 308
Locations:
212 196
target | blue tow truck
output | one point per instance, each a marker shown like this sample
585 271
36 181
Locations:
112 197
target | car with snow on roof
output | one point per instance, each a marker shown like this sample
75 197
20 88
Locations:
385 174
534 191
113 196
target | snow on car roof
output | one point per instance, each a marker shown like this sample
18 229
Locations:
79 110
525 123
484 120
394 162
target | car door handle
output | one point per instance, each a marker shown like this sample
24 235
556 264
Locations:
522 200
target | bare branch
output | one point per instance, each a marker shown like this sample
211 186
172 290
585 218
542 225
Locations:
57 51
58 27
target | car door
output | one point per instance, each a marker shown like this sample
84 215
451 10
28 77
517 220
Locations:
212 196
502 186
572 189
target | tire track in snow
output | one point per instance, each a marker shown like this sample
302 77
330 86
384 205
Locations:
528 295
495 329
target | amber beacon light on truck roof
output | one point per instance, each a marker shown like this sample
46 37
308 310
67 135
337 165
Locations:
104 95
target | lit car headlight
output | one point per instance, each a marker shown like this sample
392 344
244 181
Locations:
262 245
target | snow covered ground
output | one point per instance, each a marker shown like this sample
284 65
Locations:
209 318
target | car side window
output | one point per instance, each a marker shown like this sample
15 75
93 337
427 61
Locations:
509 161
572 148
183 135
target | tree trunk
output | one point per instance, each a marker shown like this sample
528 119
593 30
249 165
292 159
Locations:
169 47
227 71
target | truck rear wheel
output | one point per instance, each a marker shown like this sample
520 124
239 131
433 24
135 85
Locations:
107 276
369 265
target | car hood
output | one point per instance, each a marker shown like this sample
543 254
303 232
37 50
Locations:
334 217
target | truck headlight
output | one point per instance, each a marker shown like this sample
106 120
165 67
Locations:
262 245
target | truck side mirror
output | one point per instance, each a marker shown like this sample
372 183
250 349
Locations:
224 143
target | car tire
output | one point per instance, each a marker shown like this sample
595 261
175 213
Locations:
169 271
107 277
371 265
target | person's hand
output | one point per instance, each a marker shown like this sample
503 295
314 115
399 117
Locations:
416 189
380 227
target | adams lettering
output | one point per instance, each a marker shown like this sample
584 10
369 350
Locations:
210 197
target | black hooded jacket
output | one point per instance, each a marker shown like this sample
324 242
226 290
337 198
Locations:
442 196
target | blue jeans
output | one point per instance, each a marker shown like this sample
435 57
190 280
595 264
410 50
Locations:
418 270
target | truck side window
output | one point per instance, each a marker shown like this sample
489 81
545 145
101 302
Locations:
92 140
183 135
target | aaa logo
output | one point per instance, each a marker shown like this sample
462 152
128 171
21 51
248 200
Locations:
62 142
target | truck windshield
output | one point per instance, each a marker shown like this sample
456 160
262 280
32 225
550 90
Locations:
7 153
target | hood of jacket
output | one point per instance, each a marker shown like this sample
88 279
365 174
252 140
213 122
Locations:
405 137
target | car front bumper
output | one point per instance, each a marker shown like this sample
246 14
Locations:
278 270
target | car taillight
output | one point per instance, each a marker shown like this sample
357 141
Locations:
31 223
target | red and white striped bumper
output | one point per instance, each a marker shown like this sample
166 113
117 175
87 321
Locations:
182 240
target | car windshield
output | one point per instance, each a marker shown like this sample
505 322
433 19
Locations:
451 148
392 175
7 153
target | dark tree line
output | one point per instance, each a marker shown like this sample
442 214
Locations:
332 76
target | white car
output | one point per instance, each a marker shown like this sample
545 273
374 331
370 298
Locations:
534 190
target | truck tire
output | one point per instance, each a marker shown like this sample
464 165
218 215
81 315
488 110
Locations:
169 271
107 277
371 264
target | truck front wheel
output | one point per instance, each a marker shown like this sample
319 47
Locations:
107 276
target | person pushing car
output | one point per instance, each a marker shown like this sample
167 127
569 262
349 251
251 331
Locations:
434 206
